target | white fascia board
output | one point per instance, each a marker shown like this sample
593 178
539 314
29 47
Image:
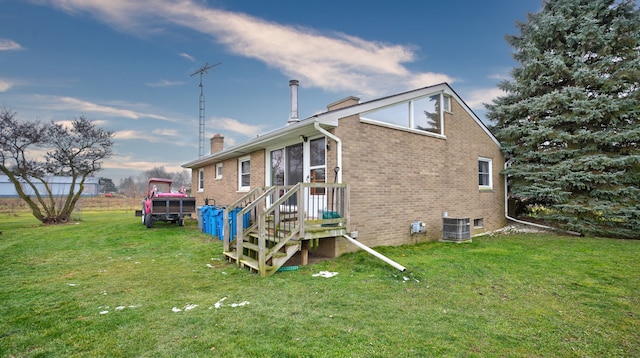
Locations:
293 130
334 116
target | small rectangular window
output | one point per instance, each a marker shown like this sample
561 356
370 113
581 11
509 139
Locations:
478 223
446 103
244 174
219 171
201 179
484 173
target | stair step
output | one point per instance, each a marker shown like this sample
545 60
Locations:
253 263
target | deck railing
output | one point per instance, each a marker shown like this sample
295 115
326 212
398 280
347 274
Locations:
276 215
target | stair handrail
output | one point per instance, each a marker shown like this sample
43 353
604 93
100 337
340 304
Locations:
241 232
263 253
226 230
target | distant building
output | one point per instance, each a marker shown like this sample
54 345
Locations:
59 187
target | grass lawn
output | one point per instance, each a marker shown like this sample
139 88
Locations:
107 286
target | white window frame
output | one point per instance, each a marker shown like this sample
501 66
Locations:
489 161
240 174
218 171
446 103
409 125
201 179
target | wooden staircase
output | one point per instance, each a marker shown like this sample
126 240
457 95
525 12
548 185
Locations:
267 236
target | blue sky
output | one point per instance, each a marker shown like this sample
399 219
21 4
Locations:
127 64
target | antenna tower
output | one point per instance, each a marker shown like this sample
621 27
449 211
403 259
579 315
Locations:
204 69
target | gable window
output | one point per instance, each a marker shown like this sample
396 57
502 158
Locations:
484 173
244 174
219 171
201 179
424 114
446 103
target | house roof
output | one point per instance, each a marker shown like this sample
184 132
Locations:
329 119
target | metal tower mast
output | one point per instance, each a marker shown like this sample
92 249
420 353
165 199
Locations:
204 69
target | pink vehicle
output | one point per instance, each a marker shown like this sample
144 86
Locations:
163 204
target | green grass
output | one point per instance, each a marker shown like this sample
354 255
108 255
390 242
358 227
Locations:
106 286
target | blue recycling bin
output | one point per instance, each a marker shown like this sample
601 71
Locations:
216 217
204 218
246 221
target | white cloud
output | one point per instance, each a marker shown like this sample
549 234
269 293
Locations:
164 83
82 106
187 56
168 136
234 125
127 163
9 45
5 85
477 97
331 61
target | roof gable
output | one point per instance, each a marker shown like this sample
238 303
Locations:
330 119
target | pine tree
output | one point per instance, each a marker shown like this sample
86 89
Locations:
570 119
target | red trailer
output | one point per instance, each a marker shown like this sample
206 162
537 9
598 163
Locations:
163 204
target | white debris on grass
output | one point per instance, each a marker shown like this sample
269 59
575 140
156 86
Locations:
73 284
210 266
219 304
326 274
243 303
187 307
105 309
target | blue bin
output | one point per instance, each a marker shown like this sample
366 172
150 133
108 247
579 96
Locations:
215 222
246 221
206 225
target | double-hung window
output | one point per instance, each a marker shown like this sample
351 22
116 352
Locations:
244 174
201 179
484 173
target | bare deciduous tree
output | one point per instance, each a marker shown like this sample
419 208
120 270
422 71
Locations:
32 152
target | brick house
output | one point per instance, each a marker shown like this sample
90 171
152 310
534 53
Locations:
421 155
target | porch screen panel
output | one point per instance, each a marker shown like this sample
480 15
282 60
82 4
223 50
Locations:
277 167
317 162
294 165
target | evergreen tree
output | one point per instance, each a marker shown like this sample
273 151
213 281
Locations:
570 118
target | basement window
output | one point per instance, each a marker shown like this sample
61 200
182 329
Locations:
478 223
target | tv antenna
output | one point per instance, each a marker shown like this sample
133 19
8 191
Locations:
204 69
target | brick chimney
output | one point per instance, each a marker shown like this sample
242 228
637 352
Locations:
345 102
217 143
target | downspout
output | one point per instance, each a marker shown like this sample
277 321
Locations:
506 212
316 125
374 253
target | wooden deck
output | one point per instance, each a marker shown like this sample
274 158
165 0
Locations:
268 226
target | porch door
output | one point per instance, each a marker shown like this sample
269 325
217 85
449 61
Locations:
316 173
302 162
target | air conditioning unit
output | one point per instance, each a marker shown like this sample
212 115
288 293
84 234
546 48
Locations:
456 229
